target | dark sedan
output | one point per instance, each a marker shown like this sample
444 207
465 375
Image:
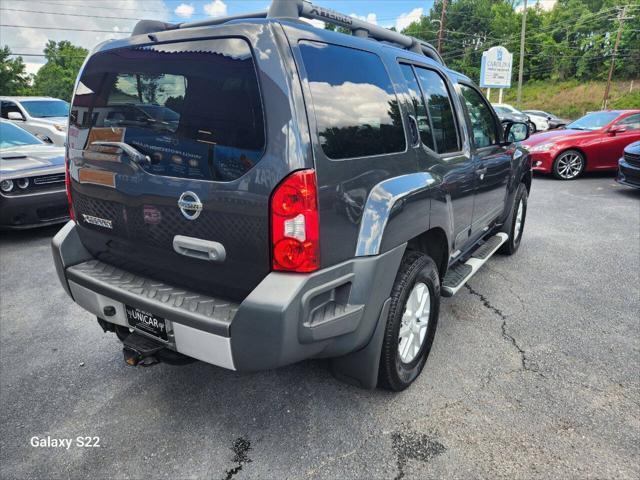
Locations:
32 190
507 113
629 166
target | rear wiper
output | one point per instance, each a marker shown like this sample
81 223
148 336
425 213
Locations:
134 154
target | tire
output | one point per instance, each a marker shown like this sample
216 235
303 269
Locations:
514 227
568 165
417 275
532 128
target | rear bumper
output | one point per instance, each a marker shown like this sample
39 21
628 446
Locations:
33 209
628 174
285 319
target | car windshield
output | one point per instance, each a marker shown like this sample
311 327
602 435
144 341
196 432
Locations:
593 121
12 136
46 108
501 109
509 109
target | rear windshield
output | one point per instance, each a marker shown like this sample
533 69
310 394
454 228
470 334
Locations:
193 107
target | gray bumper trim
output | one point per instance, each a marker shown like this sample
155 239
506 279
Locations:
288 317
179 305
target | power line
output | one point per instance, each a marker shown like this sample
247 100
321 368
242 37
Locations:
66 29
69 14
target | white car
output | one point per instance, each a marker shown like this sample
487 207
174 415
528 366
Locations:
44 117
539 121
506 110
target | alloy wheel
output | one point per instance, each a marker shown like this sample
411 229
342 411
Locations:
415 320
517 231
569 165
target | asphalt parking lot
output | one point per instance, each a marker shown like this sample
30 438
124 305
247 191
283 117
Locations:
534 373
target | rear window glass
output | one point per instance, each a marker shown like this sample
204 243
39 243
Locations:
355 106
193 107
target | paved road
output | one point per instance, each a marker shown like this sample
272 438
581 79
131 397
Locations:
534 373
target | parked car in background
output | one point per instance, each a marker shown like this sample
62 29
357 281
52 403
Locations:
32 191
508 113
629 166
44 117
593 142
552 120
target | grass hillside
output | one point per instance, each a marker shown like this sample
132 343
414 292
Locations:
573 99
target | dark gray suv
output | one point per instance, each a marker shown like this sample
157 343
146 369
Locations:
253 191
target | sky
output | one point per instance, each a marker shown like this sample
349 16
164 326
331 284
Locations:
52 16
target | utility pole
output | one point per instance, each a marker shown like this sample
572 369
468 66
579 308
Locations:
621 19
441 31
521 68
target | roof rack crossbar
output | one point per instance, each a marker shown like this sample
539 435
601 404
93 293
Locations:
359 27
294 9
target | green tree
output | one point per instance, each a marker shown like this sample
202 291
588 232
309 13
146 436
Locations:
57 77
573 40
13 77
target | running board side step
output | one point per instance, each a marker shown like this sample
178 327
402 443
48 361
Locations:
460 273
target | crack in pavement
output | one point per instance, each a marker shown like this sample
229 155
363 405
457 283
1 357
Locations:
527 364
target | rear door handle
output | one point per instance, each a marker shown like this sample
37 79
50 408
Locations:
199 248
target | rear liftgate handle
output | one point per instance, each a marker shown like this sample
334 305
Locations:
200 249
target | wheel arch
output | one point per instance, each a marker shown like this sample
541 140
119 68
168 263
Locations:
527 178
434 243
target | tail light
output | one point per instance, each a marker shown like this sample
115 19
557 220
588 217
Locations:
67 184
294 223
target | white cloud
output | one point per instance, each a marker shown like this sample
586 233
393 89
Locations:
371 17
342 103
406 19
315 23
32 41
217 8
184 10
32 68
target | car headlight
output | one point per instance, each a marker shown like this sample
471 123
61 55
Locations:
6 185
543 147
23 183
61 127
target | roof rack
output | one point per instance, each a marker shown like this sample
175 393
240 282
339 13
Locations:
294 9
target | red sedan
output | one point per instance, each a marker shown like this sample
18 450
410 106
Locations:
593 142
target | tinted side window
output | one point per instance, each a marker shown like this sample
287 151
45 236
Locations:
482 121
356 108
632 122
440 110
419 107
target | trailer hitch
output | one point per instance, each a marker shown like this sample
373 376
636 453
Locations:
141 350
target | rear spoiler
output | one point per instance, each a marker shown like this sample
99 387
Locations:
295 9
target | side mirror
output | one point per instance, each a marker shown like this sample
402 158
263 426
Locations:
15 116
515 131
617 129
44 138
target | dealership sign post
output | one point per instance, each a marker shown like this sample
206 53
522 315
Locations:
495 70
